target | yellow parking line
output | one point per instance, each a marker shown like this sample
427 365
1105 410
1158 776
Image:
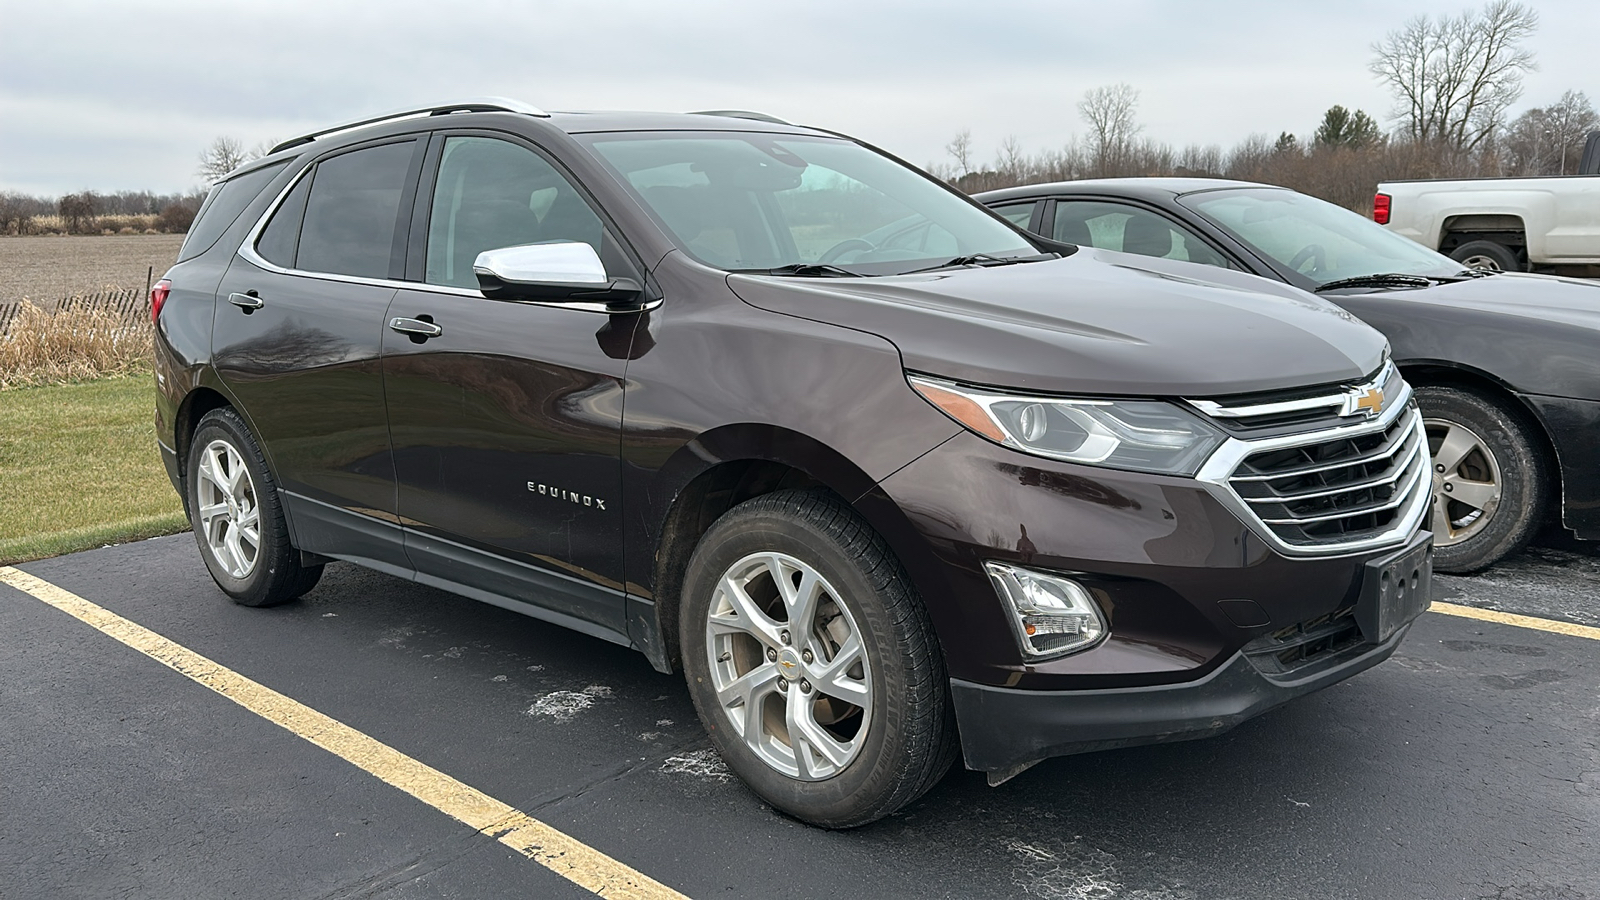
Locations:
1490 615
564 855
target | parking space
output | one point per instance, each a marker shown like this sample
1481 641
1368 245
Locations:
1468 766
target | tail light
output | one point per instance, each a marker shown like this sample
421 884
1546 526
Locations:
158 297
1380 209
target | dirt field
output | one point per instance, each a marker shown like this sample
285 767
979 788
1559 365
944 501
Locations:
46 269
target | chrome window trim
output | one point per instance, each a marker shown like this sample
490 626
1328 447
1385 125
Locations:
247 252
1215 473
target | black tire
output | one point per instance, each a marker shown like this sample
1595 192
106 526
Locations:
275 574
1492 256
1523 478
909 740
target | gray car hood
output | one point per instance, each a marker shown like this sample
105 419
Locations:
1095 322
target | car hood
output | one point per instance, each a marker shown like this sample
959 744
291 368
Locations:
1548 299
1095 322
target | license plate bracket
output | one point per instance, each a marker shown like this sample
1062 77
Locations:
1395 590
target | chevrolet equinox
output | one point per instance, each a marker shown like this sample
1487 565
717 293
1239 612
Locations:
661 379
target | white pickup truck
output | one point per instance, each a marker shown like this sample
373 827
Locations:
1504 224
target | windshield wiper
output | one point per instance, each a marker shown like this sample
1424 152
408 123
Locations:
985 260
1381 279
805 270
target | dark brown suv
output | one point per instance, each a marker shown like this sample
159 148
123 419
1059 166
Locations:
651 377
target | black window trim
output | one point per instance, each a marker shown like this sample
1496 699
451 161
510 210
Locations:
1035 215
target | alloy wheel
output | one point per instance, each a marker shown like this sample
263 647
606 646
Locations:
1482 261
789 666
1467 483
230 519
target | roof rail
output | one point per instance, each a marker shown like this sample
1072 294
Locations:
741 114
476 104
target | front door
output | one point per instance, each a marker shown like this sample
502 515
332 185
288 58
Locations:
297 338
506 422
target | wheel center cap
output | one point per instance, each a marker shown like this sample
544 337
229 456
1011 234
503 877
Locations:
788 663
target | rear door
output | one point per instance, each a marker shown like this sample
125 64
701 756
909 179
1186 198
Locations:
297 339
506 423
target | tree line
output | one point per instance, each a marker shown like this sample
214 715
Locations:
88 212
1454 79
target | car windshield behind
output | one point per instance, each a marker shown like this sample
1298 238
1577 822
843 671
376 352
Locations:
759 202
1322 242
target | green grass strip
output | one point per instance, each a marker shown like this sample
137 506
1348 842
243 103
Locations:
79 468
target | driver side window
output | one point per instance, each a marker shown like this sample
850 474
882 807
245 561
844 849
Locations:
492 193
1130 229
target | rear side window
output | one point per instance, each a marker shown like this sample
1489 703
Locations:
281 238
353 210
224 204
1018 214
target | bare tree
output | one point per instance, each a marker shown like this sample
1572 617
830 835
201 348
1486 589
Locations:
1109 110
960 147
1012 161
1549 140
14 212
1453 77
78 211
222 156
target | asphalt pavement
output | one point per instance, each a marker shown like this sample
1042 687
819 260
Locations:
1466 767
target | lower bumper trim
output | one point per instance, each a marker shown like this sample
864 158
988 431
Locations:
1006 729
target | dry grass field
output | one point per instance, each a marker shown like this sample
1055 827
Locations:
46 269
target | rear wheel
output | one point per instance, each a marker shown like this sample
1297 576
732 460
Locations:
811 662
237 516
1491 256
1489 478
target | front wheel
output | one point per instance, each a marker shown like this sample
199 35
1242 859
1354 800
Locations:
812 663
237 516
1489 478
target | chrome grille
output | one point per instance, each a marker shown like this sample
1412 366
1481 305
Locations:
1336 490
1350 483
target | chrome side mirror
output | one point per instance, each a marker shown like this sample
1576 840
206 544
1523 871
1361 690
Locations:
555 272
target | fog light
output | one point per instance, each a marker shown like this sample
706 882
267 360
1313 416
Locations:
1052 615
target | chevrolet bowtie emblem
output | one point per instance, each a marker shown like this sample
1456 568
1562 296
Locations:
1369 401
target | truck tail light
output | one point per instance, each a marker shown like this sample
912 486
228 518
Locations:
1380 209
158 297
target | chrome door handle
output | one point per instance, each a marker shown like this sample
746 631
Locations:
246 302
415 326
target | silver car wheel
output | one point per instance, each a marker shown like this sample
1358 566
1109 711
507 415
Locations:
789 666
1481 261
1466 481
230 520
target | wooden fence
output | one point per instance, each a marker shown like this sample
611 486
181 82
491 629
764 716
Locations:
130 305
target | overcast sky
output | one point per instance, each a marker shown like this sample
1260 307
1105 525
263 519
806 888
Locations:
122 95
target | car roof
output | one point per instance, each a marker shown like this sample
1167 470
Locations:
479 111
1144 188
590 121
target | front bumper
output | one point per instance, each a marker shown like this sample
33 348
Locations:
1573 425
1004 730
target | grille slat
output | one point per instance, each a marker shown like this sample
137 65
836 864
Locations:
1336 490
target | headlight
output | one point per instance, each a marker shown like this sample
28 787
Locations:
1142 435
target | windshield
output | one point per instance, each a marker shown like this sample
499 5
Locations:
746 201
1319 241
